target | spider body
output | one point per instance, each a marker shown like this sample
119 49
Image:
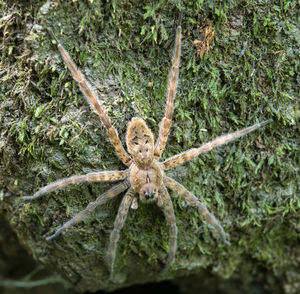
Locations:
146 182
140 143
145 173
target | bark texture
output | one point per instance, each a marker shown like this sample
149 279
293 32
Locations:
48 132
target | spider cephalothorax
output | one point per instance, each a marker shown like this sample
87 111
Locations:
146 182
145 174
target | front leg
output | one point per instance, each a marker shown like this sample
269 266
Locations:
167 206
118 225
193 200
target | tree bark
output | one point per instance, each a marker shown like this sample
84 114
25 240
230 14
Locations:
124 48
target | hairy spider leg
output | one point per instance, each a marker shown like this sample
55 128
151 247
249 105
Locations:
93 99
194 152
171 220
118 225
104 176
165 123
110 194
193 200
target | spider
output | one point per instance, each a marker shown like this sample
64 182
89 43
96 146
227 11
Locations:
144 179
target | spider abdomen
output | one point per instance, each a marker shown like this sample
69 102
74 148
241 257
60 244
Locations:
146 182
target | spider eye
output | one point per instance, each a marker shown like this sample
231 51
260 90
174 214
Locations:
135 143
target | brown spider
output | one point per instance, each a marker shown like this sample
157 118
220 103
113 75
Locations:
144 179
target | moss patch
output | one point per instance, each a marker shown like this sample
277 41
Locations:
124 48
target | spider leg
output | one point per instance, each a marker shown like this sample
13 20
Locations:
92 98
110 194
165 124
194 152
168 209
104 176
193 200
118 225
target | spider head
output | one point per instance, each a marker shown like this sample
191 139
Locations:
140 143
148 192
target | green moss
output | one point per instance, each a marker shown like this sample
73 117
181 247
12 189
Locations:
124 48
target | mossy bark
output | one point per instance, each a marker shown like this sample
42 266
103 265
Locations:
124 48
